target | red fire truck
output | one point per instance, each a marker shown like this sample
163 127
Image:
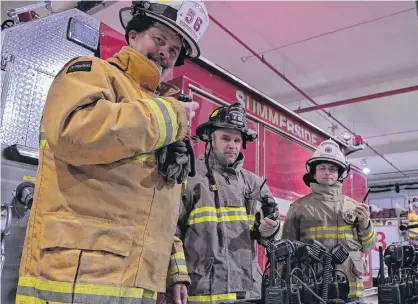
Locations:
33 52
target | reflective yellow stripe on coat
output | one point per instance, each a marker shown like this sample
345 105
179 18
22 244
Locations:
166 120
177 264
367 239
327 233
218 215
213 299
33 290
356 289
146 157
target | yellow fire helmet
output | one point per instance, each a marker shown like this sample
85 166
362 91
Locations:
190 19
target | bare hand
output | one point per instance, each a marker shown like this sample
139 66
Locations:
190 108
362 212
267 224
179 293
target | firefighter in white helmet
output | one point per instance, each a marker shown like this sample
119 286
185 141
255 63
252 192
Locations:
103 220
328 216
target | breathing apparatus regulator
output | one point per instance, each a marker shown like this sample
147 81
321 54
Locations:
227 117
327 152
189 19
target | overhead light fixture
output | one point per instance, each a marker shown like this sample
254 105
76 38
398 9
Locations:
244 59
366 170
346 136
364 166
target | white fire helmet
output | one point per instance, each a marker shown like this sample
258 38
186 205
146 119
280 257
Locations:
190 19
329 151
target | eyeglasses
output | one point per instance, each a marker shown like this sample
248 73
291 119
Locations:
331 169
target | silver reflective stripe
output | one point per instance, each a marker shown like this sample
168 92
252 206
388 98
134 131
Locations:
42 136
96 299
177 262
167 120
44 295
51 296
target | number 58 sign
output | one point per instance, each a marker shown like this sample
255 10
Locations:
381 240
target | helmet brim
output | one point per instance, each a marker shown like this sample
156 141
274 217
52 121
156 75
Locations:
250 135
344 166
192 49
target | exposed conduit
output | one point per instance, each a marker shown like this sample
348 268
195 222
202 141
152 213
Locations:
358 99
277 72
336 31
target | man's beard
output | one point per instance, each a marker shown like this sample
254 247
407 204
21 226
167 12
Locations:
158 61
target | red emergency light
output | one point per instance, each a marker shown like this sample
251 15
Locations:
357 140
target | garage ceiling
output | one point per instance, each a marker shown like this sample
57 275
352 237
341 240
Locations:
332 51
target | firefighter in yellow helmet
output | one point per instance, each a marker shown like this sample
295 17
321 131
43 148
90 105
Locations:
329 217
103 221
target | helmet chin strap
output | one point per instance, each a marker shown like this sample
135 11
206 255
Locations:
212 183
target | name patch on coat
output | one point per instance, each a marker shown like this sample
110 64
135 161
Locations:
81 66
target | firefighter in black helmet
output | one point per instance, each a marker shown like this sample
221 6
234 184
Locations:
217 222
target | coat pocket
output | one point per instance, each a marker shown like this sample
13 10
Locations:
202 278
351 244
231 195
84 249
357 265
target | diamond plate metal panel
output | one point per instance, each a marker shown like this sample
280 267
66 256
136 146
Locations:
44 43
17 104
40 49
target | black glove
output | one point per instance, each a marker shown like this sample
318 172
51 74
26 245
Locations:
174 162
269 207
270 210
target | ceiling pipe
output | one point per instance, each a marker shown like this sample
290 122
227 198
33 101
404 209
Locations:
358 99
277 72
370 147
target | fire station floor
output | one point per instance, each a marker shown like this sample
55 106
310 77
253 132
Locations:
371 300
370 296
